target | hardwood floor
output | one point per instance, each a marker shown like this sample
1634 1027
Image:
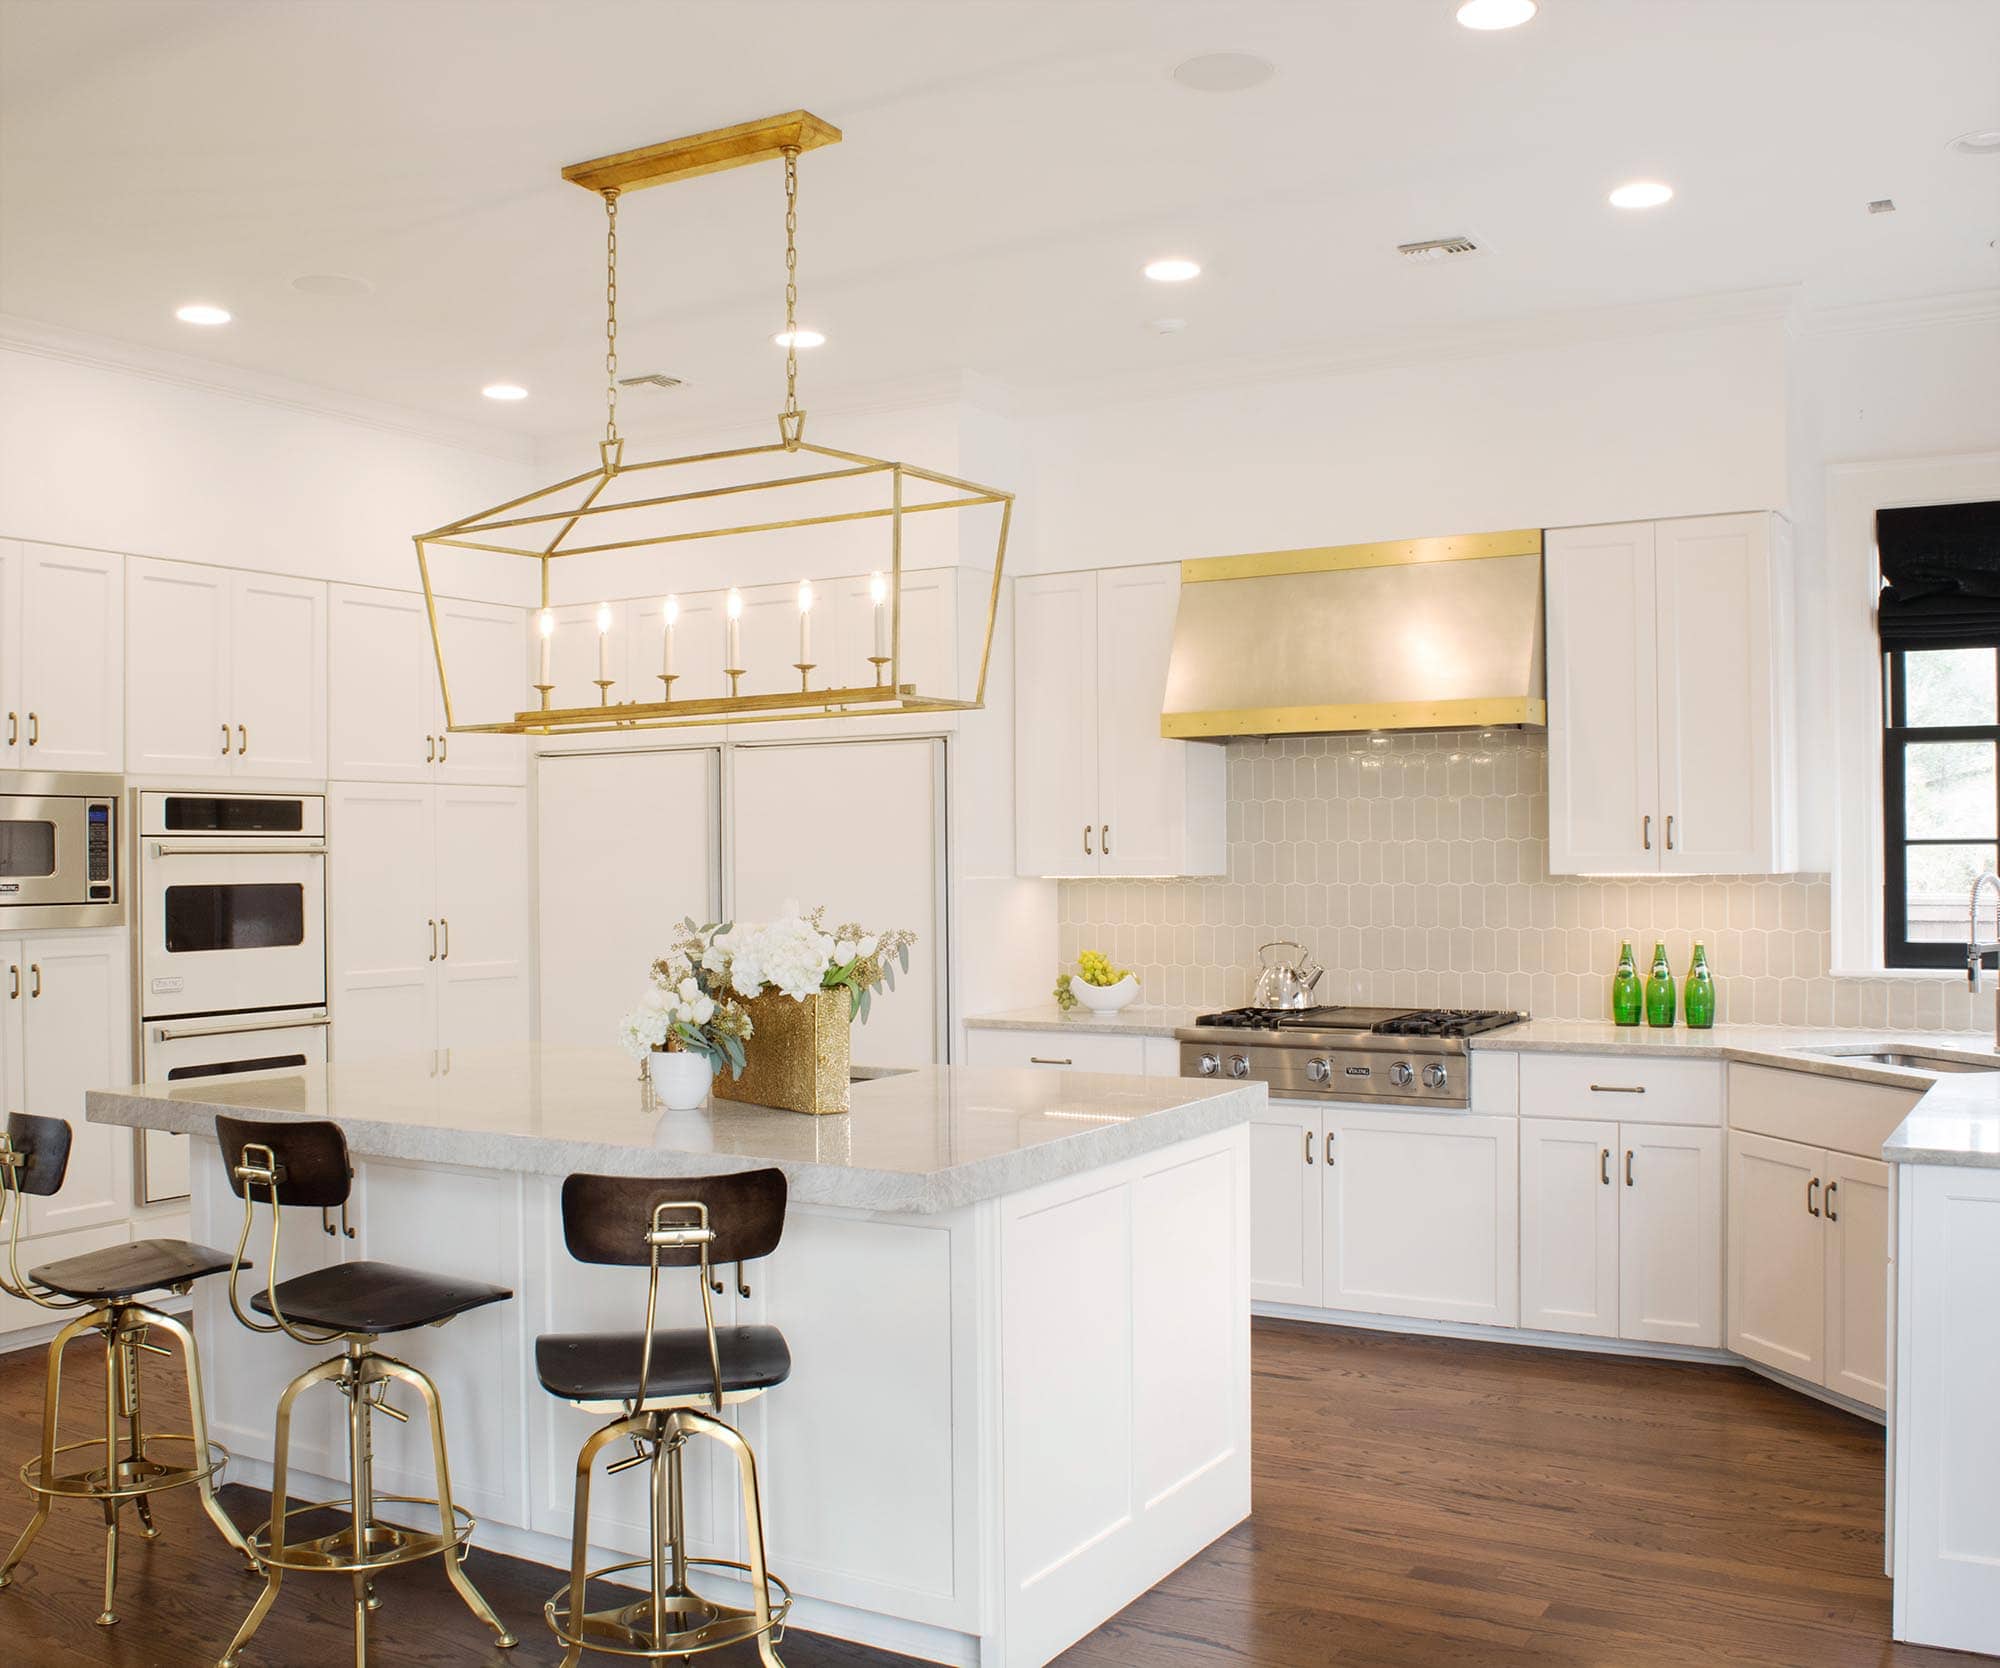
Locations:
1421 1503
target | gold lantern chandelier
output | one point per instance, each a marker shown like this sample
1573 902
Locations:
607 533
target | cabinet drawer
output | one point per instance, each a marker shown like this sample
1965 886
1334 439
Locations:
1059 1051
1620 1086
1833 1112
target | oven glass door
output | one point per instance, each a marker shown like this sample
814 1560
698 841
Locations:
231 930
199 1051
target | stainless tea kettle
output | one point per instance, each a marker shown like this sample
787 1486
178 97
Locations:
1287 983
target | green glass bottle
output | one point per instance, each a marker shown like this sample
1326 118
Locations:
1698 1001
1660 989
1625 989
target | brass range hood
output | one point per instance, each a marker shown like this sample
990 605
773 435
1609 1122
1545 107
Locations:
1422 634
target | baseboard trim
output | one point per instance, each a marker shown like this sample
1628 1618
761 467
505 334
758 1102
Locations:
1527 1337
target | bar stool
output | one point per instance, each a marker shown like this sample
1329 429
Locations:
666 1386
306 1164
107 1286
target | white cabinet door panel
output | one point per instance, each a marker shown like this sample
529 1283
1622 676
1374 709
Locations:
72 622
76 1038
177 669
380 673
1569 1226
278 706
1286 1203
1857 1278
482 906
1422 1215
13 737
1603 723
381 919
1670 1235
1141 776
1055 724
627 847
1777 1255
484 648
1715 695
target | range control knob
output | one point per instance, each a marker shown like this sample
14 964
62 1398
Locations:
1239 1065
1401 1075
1436 1076
1318 1071
1208 1065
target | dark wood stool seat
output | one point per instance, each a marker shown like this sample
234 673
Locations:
123 1271
604 1366
374 1298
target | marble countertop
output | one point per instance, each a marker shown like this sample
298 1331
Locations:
928 1139
1142 1019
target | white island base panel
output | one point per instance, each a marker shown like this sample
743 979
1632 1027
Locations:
1003 1424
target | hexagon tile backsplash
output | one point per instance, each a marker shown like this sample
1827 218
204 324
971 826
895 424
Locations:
1416 868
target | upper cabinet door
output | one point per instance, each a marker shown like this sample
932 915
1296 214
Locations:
1604 813
177 669
72 659
279 701
1670 1235
13 734
1719 764
1055 724
482 657
380 673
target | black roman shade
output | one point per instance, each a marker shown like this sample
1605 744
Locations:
1941 575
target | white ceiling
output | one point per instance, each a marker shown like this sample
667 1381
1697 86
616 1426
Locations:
1008 166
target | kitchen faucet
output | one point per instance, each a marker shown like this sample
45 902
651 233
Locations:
1975 950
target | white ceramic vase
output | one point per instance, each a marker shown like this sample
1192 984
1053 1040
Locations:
681 1078
1105 999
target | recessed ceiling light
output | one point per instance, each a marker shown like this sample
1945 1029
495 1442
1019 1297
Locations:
1642 194
1496 14
1224 72
1172 269
801 337
1984 142
504 391
200 312
331 283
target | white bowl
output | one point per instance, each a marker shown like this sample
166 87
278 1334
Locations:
1105 999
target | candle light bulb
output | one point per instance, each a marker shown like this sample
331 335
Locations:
545 623
672 611
805 596
604 616
735 603
878 589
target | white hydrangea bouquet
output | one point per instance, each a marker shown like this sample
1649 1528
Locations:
688 1006
797 955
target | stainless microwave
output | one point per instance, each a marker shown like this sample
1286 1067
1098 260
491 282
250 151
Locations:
60 851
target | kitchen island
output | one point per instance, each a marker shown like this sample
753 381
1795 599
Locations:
1017 1304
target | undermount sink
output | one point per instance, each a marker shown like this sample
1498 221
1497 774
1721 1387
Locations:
1910 1061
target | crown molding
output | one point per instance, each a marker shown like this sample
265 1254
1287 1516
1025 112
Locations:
75 347
1911 313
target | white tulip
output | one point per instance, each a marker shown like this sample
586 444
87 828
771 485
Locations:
844 952
688 989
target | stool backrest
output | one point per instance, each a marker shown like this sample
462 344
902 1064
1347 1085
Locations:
607 1219
311 1162
41 1145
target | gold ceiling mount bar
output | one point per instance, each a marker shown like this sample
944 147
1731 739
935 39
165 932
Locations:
597 516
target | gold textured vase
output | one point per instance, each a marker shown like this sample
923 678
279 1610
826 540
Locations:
797 1055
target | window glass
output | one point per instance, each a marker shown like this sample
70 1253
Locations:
1949 790
1939 883
1949 686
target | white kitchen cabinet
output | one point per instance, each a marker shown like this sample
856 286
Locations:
1777 1254
427 912
1288 1148
1670 697
1010 1050
64 1030
1856 1207
386 721
65 628
1422 1215
1569 1226
1098 790
226 672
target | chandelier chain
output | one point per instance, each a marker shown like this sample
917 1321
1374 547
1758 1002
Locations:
611 314
791 421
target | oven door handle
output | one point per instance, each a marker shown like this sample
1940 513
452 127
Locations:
162 848
231 1028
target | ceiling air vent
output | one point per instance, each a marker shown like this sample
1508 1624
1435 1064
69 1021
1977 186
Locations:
1440 249
652 379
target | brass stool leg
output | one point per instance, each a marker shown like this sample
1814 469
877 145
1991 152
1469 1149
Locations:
692 1420
579 1546
131 1339
361 1496
198 1429
454 1564
51 1400
114 1407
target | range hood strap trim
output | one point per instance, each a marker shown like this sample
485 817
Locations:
1496 713
1464 547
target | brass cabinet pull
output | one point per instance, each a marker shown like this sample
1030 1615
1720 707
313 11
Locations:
434 938
1670 831
242 740
13 729
1329 1146
445 926
1309 1146
1832 1188
1086 841
1812 1187
1604 1166
1037 1060
444 748
14 985
34 728
35 979
430 749
1628 1166
225 741
1104 839
1618 1088
1646 833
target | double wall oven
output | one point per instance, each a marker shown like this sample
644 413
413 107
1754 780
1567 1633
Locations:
230 960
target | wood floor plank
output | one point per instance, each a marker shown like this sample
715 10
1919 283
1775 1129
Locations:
1420 1503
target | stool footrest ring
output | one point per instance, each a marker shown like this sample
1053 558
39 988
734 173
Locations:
382 1545
126 1478
632 1629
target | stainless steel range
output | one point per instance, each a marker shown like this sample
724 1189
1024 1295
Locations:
1413 1055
